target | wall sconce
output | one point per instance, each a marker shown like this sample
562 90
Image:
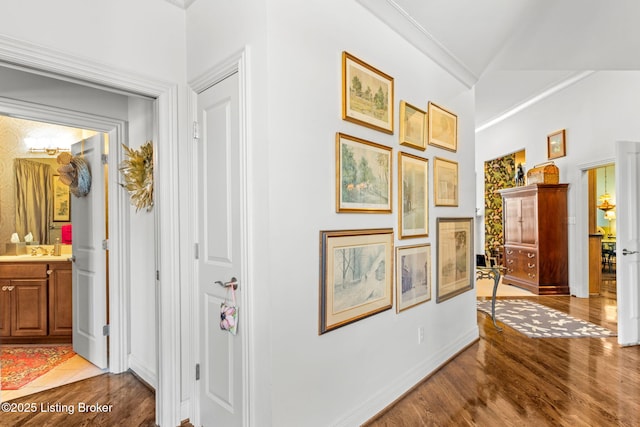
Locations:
47 146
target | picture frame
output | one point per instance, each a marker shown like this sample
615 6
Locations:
556 144
454 257
61 201
367 95
356 275
413 126
445 182
413 276
413 196
363 175
442 128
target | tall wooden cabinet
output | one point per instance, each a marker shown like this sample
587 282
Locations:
536 238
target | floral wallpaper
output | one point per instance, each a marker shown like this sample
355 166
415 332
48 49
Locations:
498 174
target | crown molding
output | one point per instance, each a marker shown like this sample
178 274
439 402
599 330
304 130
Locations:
182 4
392 14
575 78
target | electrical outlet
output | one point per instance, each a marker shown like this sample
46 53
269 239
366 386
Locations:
420 334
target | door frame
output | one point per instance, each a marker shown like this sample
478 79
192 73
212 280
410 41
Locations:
236 63
20 54
581 290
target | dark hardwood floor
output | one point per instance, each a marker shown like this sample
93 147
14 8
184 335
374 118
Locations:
507 379
106 400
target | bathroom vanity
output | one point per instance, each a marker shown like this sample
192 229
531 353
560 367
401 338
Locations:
35 299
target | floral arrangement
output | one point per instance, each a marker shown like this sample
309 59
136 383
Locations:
137 171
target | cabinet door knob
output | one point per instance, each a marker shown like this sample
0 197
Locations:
49 272
4 288
530 255
531 265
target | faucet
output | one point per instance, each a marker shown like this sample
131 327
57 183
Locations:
38 249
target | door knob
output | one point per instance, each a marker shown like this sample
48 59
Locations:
627 252
72 258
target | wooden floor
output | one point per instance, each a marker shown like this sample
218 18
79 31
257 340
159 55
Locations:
106 400
507 379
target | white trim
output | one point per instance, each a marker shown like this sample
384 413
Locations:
86 71
575 78
580 287
392 14
235 63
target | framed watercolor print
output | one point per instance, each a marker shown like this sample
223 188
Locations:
413 194
363 175
413 126
556 144
356 275
413 276
445 182
442 128
61 201
367 94
454 257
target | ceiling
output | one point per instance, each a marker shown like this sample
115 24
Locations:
517 51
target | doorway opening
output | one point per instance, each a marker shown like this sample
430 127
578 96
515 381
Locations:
36 262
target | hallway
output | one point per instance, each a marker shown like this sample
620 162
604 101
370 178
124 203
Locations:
508 379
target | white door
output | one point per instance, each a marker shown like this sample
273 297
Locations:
628 241
220 259
88 216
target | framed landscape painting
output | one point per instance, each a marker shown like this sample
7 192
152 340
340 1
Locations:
443 127
61 201
356 275
454 256
367 94
363 175
413 194
413 276
556 144
413 126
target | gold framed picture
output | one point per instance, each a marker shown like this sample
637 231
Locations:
61 201
443 127
413 194
413 126
367 94
445 182
356 275
413 276
454 255
363 175
556 144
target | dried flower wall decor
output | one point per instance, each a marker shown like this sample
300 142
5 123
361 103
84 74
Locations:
137 171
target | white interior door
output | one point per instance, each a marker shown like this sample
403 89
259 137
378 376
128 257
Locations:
628 241
220 259
88 215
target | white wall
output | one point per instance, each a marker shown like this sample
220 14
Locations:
345 376
596 112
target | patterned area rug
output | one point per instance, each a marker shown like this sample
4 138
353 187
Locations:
538 321
21 364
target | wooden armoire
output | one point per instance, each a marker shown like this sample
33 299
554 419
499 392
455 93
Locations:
536 238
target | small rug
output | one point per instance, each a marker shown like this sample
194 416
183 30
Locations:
21 364
538 321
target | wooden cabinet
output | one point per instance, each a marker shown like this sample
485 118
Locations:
26 305
536 238
60 318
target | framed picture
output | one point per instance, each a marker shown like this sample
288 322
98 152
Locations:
367 95
61 201
454 257
356 275
445 177
363 175
413 194
413 126
413 276
443 127
556 144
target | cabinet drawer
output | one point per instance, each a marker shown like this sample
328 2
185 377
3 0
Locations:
24 270
522 263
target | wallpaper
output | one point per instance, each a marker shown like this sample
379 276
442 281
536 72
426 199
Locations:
12 134
498 174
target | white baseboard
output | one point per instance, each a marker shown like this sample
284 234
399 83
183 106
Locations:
146 374
394 390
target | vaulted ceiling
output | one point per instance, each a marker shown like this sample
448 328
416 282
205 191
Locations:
514 51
